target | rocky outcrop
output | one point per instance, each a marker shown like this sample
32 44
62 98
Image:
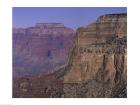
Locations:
99 57
97 65
40 49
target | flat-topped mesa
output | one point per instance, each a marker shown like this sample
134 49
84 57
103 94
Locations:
19 30
45 49
49 25
106 27
45 29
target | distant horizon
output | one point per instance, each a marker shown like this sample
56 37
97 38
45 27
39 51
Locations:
71 17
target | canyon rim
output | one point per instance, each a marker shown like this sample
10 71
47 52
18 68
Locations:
51 60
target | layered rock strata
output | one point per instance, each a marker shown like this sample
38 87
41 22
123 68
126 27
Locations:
97 65
99 59
41 49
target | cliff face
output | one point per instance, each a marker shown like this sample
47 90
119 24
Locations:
97 64
99 57
100 46
40 49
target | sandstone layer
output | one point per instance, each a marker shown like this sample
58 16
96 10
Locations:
99 59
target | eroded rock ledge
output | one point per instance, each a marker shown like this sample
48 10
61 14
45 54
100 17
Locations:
99 59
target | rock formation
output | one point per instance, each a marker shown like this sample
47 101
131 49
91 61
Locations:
99 58
97 65
100 46
40 49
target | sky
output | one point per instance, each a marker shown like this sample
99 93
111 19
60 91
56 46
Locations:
72 17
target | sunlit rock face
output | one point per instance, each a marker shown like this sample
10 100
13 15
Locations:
40 49
99 58
100 46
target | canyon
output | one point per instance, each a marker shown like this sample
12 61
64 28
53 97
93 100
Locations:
95 60
40 49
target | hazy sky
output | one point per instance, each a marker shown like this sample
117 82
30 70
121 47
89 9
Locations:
72 17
